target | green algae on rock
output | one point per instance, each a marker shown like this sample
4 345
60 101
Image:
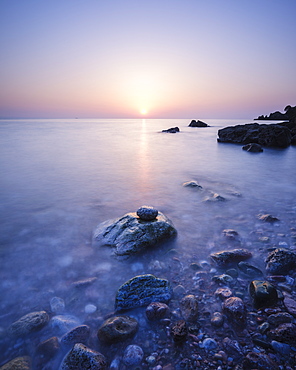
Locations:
142 290
130 234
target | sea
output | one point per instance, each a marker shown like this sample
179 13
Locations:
60 178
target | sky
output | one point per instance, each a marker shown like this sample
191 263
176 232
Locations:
154 58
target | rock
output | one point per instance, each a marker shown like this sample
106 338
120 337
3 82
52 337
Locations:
249 269
279 318
265 135
217 319
230 234
19 363
133 355
285 333
259 361
29 323
118 329
263 293
227 257
157 311
90 308
223 279
282 348
130 234
82 357
172 130
223 293
290 305
214 197
235 310
48 348
280 261
57 305
189 307
232 347
192 184
253 147
197 123
179 331
209 344
267 218
147 213
79 334
142 290
64 323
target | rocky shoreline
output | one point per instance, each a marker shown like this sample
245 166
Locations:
228 312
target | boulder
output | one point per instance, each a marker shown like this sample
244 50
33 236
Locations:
224 258
253 147
142 290
280 261
265 135
172 130
29 323
131 234
197 123
118 329
82 357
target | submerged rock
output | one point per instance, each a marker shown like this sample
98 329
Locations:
133 355
280 261
118 329
249 269
19 363
267 218
227 257
214 197
189 307
253 147
130 234
142 290
29 323
263 293
192 184
82 357
217 319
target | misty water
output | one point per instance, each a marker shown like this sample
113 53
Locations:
61 178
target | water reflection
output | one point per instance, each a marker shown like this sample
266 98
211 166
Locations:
143 160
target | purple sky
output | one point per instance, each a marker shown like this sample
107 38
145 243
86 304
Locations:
164 58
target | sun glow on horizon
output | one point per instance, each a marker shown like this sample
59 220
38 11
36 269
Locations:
143 111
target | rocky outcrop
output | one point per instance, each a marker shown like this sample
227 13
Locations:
265 135
197 123
131 234
172 130
142 290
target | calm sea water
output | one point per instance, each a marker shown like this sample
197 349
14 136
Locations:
60 178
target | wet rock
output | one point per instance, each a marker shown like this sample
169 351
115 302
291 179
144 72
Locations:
230 234
259 361
253 147
192 184
267 218
48 348
280 261
29 323
281 348
223 279
214 197
223 293
79 334
285 333
279 318
157 311
118 329
224 258
189 307
235 310
209 344
130 234
232 348
290 305
197 123
263 293
133 355
179 331
82 357
19 363
249 269
57 305
217 319
64 323
142 290
147 213
172 130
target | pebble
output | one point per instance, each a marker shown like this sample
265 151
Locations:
189 307
209 344
90 308
217 319
235 310
147 213
223 293
118 329
133 355
281 348
157 310
179 331
290 305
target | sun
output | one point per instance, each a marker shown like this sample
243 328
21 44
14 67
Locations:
143 111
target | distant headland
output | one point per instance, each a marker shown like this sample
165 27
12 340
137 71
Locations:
290 113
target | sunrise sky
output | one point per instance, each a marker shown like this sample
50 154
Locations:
154 58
